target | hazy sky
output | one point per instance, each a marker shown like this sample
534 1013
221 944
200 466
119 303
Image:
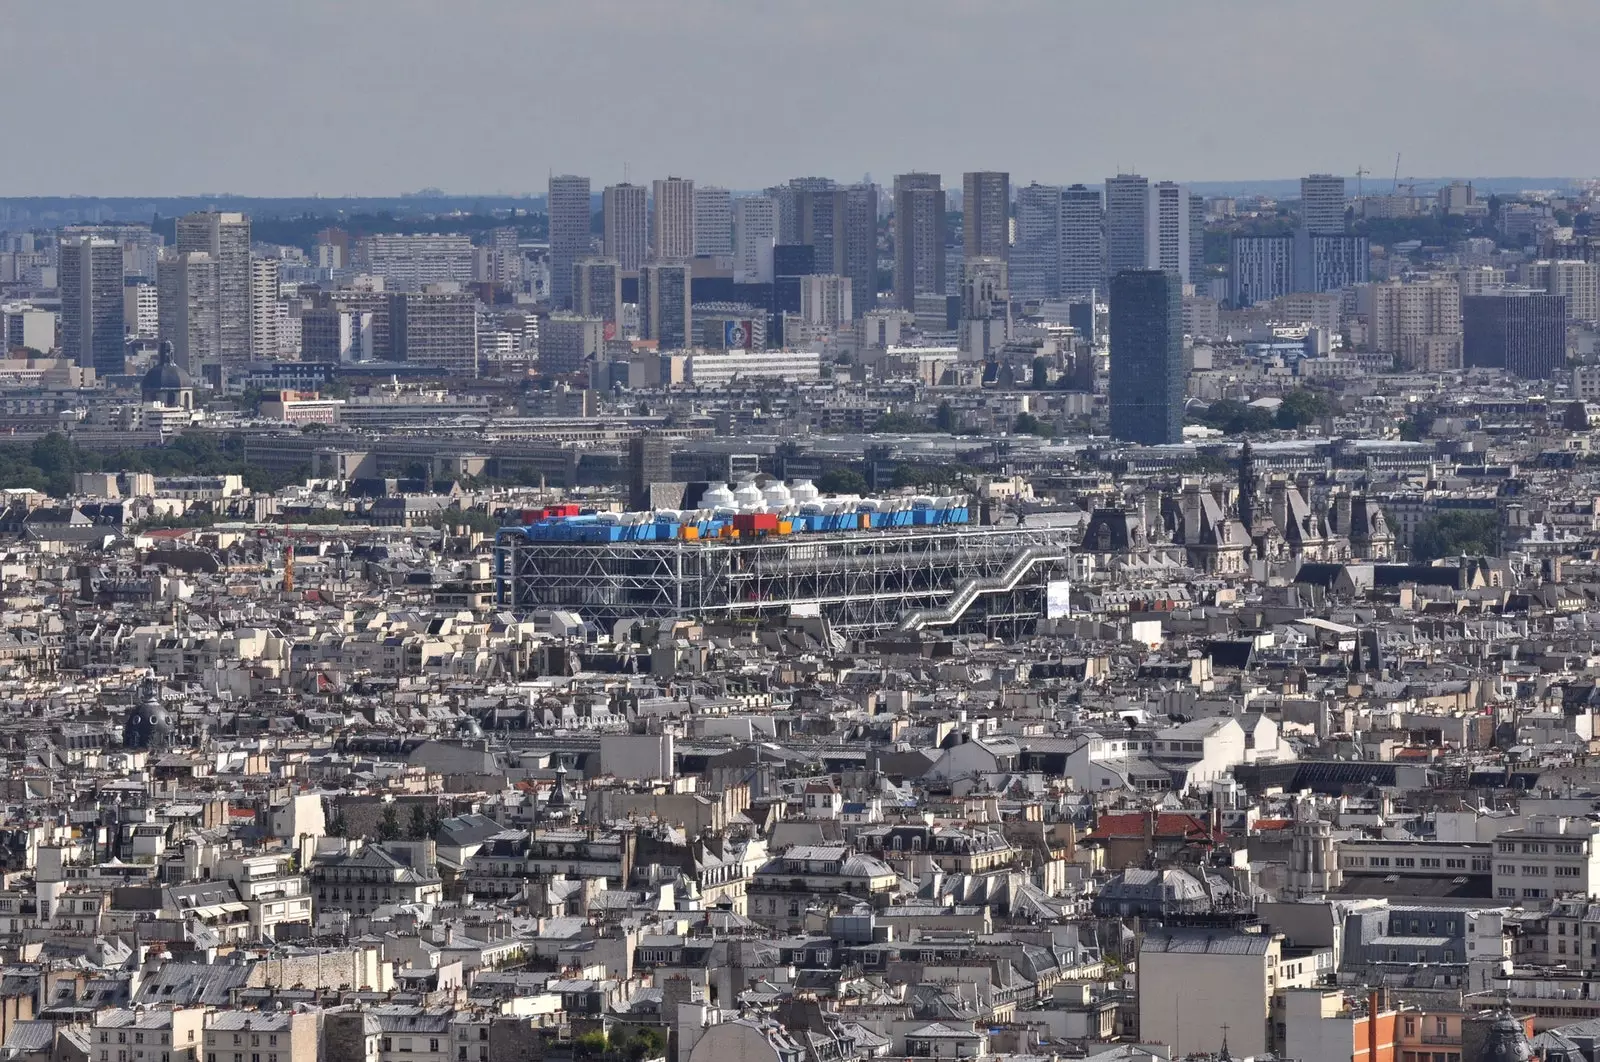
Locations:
377 97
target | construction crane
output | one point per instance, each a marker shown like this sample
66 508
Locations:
1396 187
1361 171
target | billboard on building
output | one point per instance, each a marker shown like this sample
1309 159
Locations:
1057 598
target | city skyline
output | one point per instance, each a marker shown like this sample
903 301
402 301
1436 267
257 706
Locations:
409 123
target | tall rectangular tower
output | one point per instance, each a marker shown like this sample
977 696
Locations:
919 224
1322 204
755 233
1147 378
225 237
627 225
986 214
664 305
92 320
1167 229
1083 243
1036 259
569 233
187 284
672 220
713 221
1127 210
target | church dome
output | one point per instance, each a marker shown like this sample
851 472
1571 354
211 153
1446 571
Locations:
165 375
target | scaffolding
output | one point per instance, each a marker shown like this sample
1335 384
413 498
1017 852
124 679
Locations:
956 577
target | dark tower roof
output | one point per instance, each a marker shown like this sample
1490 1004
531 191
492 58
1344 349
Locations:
166 375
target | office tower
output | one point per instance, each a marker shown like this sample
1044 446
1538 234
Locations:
187 284
1322 204
1418 323
499 257
569 233
1147 378
597 292
331 334
1577 281
789 263
1516 329
825 300
1260 268
141 307
1083 243
1126 219
1197 237
1036 258
664 305
986 214
919 231
567 341
226 238
1330 262
436 328
412 262
263 309
713 221
1168 230
627 225
672 219
92 322
820 210
861 245
755 233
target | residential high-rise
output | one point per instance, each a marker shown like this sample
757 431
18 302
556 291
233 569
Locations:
334 334
1168 229
1577 281
786 201
1322 204
861 246
1036 258
1147 377
187 284
825 300
627 225
92 319
141 307
225 237
820 210
1418 323
1516 329
1260 268
567 341
1083 243
436 328
985 324
919 230
1197 237
569 233
1126 223
411 262
264 344
597 292
664 314
672 219
713 221
755 233
986 214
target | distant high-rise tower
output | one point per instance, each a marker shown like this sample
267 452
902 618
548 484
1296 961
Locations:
597 292
1516 329
627 225
1083 243
92 320
569 233
226 238
861 245
1036 259
263 309
1167 229
672 220
664 305
713 221
187 284
1147 378
1197 237
919 224
1322 204
986 214
755 233
1127 214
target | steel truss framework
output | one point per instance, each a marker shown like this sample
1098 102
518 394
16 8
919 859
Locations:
863 582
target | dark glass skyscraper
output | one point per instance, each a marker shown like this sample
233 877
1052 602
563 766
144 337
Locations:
1523 332
1147 382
